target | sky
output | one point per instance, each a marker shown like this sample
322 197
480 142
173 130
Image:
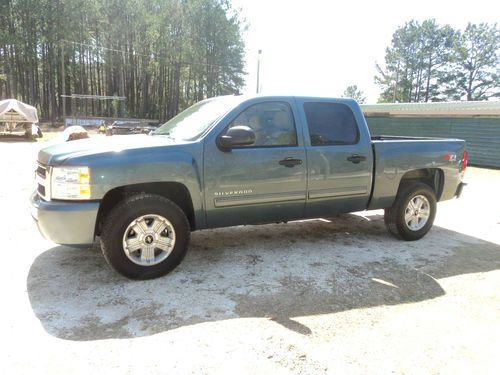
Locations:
319 47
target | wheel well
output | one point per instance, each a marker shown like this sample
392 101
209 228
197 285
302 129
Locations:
433 177
176 192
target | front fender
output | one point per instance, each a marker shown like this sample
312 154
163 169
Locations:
130 167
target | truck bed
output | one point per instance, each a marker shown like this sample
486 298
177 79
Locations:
376 138
395 156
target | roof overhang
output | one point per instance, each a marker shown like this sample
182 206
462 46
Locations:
437 109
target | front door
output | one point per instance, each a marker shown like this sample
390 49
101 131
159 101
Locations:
262 182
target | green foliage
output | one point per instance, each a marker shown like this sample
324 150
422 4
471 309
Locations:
475 72
427 62
162 55
353 92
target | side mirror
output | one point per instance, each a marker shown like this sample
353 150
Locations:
236 136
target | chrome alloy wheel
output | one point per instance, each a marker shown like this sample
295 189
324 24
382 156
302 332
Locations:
149 240
417 212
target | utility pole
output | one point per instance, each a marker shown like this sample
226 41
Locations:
63 94
258 70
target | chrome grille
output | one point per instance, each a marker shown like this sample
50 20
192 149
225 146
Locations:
41 171
41 190
42 178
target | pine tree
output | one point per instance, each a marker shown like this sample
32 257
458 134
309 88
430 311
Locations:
353 92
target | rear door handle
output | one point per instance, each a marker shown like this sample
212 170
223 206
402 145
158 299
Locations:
356 158
290 162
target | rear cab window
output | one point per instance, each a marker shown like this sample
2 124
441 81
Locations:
331 124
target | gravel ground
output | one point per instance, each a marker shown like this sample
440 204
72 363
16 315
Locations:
333 295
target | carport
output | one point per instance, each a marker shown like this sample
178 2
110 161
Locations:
13 112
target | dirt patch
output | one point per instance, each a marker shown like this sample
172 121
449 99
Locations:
337 295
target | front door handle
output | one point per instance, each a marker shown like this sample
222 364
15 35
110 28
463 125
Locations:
290 162
356 158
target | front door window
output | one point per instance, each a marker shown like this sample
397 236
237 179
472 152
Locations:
272 123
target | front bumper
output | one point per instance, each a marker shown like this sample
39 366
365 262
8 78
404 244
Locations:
65 223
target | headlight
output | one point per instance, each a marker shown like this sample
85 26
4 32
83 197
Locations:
70 183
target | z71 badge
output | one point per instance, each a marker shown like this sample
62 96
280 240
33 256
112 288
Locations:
450 157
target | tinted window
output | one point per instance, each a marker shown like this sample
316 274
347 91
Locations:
331 124
272 123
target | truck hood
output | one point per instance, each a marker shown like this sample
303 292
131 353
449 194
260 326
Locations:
56 154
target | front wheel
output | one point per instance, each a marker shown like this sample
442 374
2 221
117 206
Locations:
145 236
413 212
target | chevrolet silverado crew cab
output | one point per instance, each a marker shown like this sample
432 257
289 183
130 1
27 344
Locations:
236 160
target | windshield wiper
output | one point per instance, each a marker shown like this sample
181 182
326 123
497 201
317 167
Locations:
167 134
155 133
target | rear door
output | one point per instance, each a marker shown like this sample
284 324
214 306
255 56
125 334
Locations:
339 157
262 182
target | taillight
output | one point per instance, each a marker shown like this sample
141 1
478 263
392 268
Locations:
465 160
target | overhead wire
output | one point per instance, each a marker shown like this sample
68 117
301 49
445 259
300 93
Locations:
151 55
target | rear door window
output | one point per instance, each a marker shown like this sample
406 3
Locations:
331 124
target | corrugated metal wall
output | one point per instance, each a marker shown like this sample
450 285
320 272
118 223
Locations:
481 134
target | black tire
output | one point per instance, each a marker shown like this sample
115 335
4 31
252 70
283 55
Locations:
394 216
118 221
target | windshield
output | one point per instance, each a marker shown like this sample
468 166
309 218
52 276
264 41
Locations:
192 122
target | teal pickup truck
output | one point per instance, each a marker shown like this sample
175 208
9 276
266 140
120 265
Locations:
237 160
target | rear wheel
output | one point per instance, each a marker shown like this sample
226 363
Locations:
145 236
413 212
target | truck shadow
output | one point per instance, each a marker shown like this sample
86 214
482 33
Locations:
277 271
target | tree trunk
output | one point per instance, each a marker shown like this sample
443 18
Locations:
428 85
469 86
